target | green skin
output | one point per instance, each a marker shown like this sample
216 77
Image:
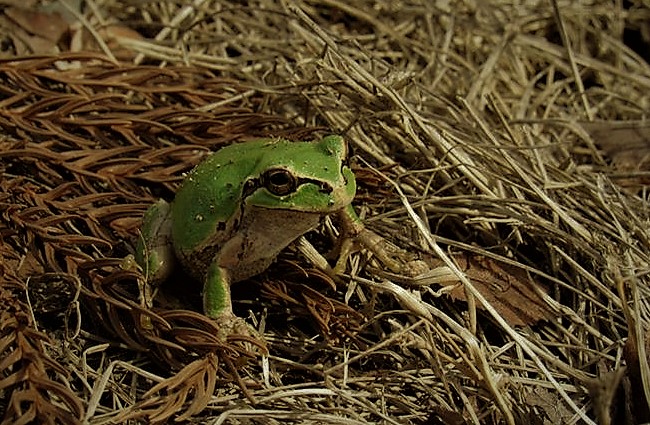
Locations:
238 209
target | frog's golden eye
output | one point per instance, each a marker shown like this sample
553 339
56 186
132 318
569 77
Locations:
279 182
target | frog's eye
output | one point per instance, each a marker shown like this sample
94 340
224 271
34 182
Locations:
279 182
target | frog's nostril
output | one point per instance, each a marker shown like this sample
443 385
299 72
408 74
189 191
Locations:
325 188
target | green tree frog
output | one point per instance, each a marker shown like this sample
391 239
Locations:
239 208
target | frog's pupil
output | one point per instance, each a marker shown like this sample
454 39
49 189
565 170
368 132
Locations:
279 179
279 182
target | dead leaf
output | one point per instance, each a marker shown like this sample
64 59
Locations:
21 3
28 265
625 143
49 26
32 31
27 44
507 288
552 405
113 35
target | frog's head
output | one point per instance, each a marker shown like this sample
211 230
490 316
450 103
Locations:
308 176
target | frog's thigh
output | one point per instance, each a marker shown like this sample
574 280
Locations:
155 251
216 292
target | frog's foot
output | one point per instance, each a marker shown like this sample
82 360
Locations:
356 235
231 325
393 258
237 333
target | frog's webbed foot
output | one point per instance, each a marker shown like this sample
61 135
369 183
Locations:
231 325
356 235
393 258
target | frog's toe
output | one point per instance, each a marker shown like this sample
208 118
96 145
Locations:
230 325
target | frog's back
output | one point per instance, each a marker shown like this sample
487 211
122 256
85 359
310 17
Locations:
211 193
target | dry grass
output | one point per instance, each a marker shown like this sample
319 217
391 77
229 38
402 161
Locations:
466 119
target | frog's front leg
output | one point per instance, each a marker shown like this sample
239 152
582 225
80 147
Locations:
216 292
217 303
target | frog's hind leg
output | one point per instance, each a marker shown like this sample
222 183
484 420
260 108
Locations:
154 251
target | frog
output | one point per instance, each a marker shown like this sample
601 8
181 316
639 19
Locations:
239 208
